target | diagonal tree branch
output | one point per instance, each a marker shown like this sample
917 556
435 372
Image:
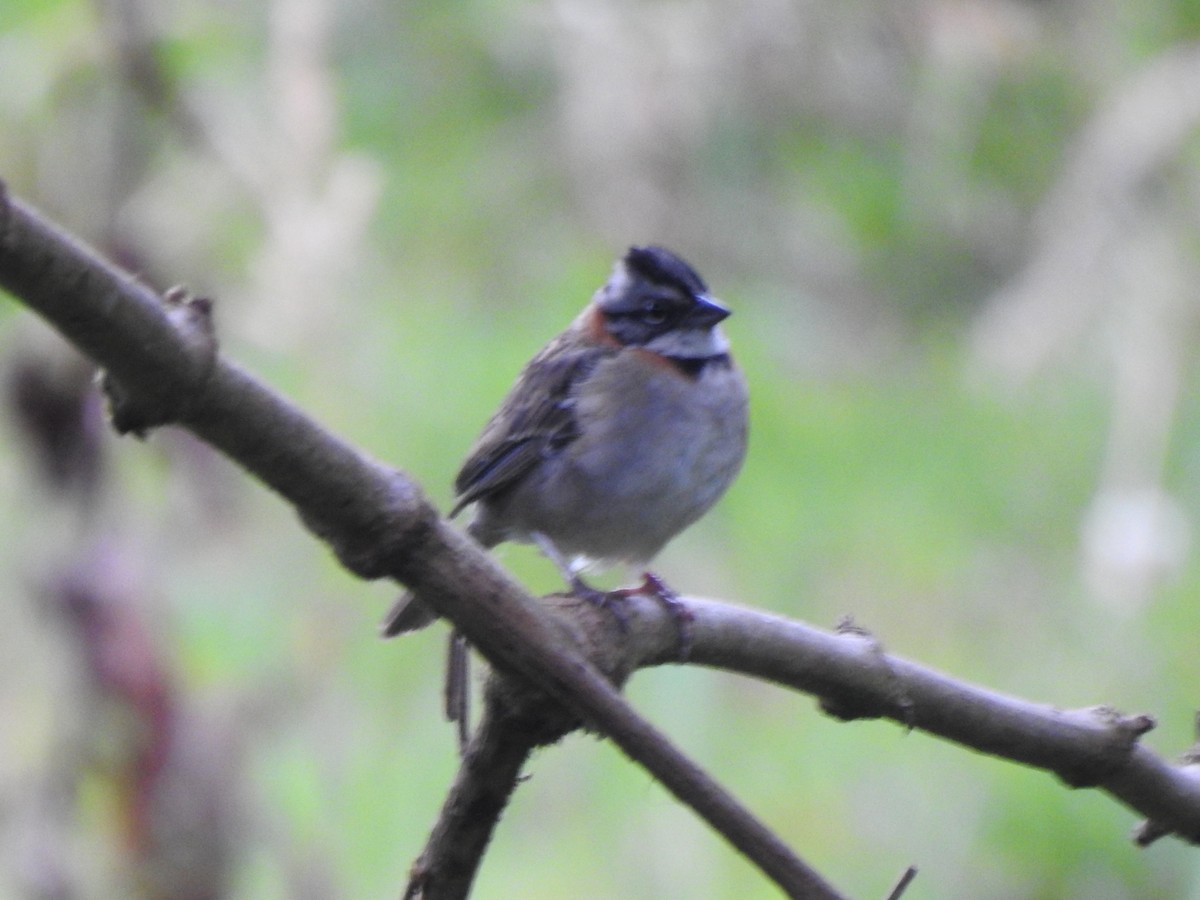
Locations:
162 367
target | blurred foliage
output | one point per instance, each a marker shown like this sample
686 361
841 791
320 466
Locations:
960 239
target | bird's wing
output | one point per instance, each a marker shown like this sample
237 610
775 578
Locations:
536 419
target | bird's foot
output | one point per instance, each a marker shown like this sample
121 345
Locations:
653 586
609 601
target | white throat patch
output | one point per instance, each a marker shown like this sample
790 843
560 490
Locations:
691 343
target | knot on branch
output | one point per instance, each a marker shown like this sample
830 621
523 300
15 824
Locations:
135 409
1116 736
1151 830
388 531
890 696
381 531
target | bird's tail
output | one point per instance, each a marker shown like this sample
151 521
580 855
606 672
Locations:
407 614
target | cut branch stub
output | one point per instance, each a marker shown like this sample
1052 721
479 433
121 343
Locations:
889 697
1116 734
136 412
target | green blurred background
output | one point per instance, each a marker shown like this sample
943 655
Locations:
962 243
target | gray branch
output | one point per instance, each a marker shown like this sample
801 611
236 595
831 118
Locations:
854 677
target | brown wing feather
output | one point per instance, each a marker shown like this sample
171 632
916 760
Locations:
535 419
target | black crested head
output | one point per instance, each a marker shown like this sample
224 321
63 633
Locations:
660 266
656 300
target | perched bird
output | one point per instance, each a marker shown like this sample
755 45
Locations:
620 433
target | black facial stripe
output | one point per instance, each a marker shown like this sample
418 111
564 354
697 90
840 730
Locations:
654 305
632 329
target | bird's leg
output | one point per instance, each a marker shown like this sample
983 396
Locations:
567 569
570 572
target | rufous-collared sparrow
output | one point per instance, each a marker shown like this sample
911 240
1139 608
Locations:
621 432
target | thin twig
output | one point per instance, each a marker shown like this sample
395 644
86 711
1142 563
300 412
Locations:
902 883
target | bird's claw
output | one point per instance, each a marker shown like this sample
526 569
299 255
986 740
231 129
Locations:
610 601
654 586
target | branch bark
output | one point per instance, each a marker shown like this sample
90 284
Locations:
516 721
855 678
162 367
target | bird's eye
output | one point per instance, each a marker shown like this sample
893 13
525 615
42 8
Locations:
654 312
